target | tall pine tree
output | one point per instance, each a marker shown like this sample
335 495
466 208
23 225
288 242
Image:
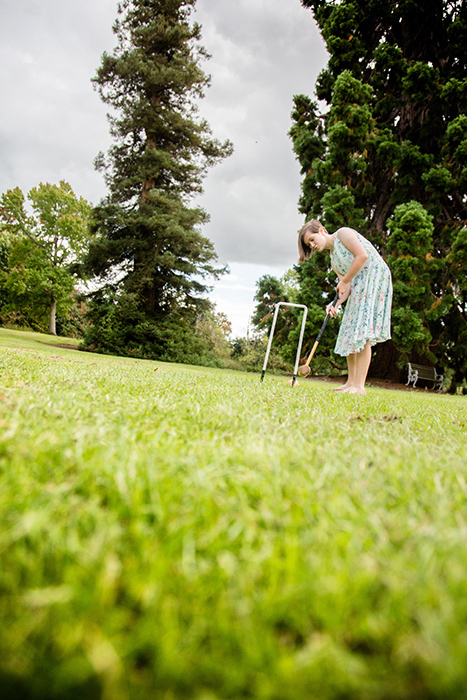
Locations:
149 249
393 134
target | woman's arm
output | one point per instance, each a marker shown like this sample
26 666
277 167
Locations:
349 238
332 310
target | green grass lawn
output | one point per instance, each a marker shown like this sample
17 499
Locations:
172 532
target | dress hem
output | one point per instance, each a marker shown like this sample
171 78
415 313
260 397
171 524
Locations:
361 345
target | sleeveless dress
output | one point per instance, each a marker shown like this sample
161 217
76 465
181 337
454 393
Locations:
367 312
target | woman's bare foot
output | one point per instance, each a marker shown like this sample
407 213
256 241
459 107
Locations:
355 390
342 387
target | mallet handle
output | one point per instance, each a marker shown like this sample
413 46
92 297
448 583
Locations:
310 356
328 316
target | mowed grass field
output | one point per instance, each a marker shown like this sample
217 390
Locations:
173 532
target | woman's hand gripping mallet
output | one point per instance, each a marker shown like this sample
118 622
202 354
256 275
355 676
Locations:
305 370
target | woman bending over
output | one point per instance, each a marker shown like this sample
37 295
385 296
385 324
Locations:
365 283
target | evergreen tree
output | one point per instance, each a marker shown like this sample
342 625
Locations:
148 249
413 266
394 133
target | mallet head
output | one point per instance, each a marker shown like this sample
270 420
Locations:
304 370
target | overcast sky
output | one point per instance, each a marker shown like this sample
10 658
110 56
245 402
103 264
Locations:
53 124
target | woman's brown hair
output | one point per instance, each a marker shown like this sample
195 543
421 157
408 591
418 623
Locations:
304 251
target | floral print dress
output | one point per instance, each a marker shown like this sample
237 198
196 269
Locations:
367 313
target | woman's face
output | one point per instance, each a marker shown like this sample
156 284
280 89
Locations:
315 241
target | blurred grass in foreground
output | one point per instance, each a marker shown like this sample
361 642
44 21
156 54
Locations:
191 533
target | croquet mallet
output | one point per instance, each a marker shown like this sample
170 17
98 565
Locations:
305 370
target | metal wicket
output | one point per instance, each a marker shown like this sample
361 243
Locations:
300 340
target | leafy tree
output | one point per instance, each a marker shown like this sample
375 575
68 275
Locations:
248 354
394 133
43 244
222 322
4 254
270 291
214 327
148 245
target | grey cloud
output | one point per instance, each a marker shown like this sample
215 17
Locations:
52 123
262 54
51 119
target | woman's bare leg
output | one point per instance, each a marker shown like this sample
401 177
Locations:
360 367
351 367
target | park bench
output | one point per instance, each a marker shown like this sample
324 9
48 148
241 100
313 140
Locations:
417 372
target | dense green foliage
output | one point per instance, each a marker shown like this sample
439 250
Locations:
269 292
117 325
148 250
37 251
394 134
192 533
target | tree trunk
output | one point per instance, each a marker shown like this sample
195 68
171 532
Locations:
53 309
